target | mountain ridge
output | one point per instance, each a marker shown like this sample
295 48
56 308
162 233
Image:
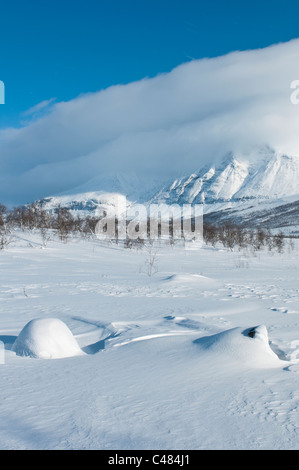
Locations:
236 178
233 189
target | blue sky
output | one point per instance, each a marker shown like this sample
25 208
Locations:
153 87
59 49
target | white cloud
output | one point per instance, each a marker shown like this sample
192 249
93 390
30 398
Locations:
38 108
166 125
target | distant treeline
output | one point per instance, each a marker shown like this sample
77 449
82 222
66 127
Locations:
62 223
232 236
34 217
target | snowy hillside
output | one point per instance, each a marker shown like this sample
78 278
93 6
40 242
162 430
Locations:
103 191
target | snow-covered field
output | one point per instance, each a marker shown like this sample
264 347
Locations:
170 361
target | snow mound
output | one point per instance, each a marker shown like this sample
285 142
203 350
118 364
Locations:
196 279
46 338
249 346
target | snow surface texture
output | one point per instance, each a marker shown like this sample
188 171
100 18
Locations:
202 355
46 338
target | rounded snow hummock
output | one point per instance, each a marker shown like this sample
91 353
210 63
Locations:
249 346
46 338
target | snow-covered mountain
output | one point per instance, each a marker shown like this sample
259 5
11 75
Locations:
258 189
104 191
264 175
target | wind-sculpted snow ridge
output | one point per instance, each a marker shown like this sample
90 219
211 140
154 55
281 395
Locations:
249 346
192 279
46 338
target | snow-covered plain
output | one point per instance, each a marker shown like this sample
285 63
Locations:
169 361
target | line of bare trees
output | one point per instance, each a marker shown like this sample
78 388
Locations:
35 217
62 222
232 237
229 236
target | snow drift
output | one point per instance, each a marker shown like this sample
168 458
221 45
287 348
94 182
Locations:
249 346
194 279
46 338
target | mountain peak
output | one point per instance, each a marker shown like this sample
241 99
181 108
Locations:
264 174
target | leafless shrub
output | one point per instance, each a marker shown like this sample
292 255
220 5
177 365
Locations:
137 243
151 260
6 236
278 242
64 223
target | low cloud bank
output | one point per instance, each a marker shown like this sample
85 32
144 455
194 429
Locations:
164 126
